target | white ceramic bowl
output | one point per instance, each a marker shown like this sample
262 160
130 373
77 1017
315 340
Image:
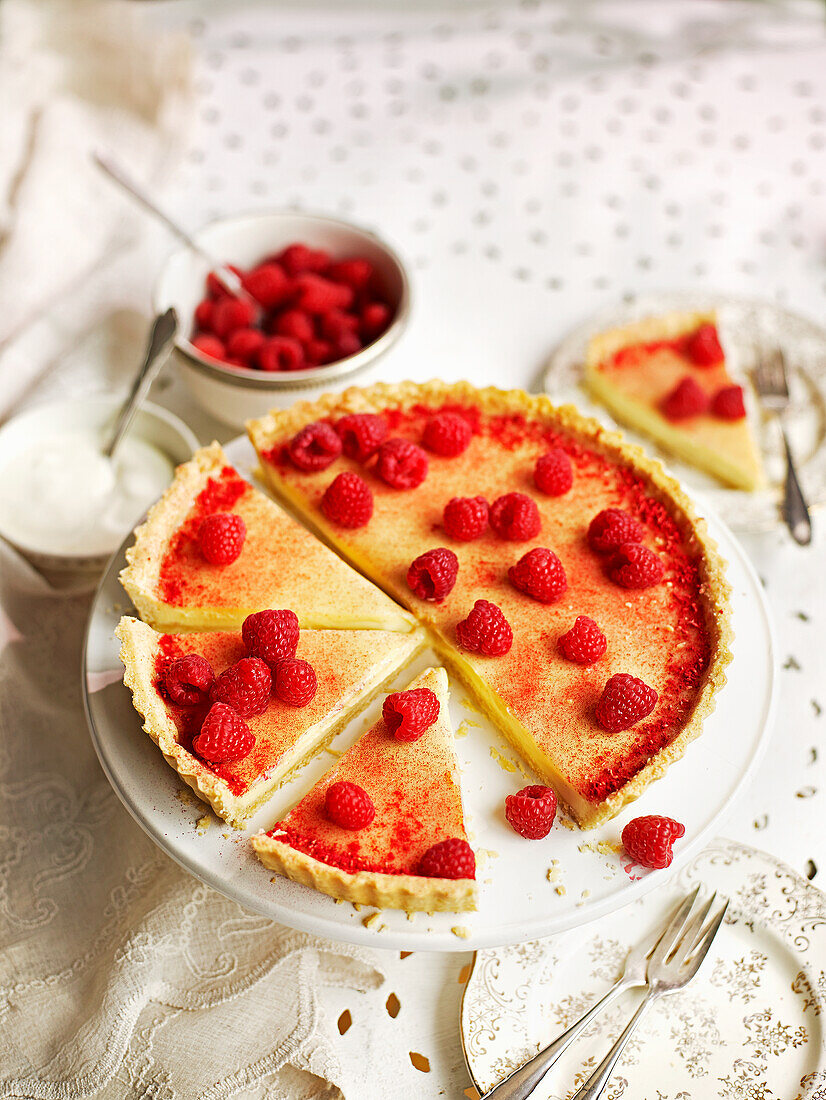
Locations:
233 394
152 424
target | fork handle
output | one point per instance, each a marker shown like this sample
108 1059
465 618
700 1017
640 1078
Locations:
522 1082
795 509
594 1086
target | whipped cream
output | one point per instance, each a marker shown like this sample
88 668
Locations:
61 495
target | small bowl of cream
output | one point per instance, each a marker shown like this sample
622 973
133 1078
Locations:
65 506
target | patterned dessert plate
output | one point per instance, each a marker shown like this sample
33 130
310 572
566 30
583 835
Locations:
745 325
526 889
749 1027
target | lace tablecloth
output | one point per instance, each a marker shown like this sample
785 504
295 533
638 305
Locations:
534 162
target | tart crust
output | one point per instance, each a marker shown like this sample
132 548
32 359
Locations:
139 651
278 426
389 891
724 449
364 606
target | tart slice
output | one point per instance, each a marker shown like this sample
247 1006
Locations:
412 788
667 377
530 479
351 666
279 564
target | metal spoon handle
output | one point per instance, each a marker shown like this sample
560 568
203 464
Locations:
160 341
225 275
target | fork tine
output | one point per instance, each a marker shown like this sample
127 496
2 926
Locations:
701 948
673 930
693 931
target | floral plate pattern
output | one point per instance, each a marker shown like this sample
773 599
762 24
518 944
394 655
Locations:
749 1027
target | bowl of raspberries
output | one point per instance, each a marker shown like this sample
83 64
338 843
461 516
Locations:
324 299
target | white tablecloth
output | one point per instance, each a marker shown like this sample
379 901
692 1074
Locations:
535 162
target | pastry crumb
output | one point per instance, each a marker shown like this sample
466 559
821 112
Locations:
585 894
460 931
561 890
372 921
202 824
484 854
357 906
554 872
503 762
566 823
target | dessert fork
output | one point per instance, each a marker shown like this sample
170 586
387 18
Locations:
772 383
521 1083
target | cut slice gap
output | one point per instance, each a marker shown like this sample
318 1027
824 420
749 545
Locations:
351 667
414 789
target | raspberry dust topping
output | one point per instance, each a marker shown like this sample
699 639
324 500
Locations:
409 714
531 811
401 464
465 518
539 574
314 447
348 501
222 538
515 517
433 574
649 840
349 805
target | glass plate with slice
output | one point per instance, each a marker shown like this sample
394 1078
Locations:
745 325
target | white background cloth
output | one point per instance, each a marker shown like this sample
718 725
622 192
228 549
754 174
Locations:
534 162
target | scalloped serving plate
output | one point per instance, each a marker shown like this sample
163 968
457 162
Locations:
744 324
749 1027
517 900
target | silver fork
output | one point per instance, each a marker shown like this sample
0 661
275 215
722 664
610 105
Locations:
675 961
524 1080
772 383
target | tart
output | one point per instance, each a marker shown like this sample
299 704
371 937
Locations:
674 634
173 587
414 790
351 666
635 371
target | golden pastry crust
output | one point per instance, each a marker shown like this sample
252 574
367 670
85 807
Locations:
280 425
410 892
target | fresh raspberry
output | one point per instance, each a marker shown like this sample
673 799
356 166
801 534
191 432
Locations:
229 314
485 631
244 344
347 344
531 812
315 447
447 434
465 518
635 566
409 714
539 574
553 473
356 273
245 686
611 528
401 464
361 434
203 314
281 353
348 501
315 294
728 403
336 323
298 258
433 574
222 538
271 635
687 399
318 352
349 805
584 643
215 289
295 682
295 323
452 858
224 736
209 345
624 701
188 679
515 517
703 347
648 840
375 318
268 284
